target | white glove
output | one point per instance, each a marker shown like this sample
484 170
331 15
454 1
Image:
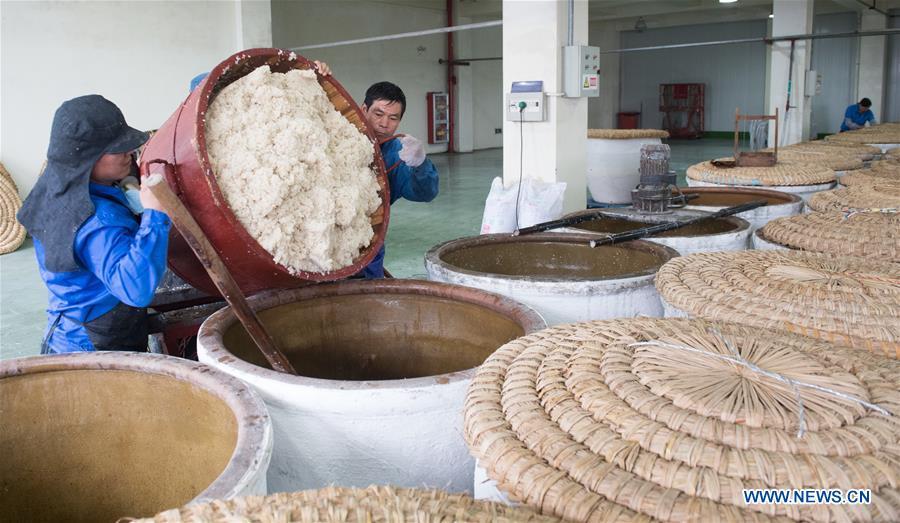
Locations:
132 191
412 152
134 200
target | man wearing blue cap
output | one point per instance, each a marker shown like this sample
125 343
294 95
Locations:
100 262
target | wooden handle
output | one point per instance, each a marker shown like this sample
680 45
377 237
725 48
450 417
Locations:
219 274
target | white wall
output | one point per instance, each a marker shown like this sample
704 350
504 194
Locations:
487 87
836 59
602 109
734 74
411 63
140 55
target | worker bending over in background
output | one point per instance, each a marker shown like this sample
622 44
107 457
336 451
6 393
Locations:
856 116
100 260
411 175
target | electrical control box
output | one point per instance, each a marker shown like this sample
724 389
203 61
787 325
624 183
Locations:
526 102
581 71
813 85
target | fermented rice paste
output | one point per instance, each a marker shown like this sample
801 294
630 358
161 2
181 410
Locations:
293 170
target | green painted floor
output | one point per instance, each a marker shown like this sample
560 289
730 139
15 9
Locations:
414 228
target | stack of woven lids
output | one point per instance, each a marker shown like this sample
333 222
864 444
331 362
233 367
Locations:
333 504
671 419
851 301
12 234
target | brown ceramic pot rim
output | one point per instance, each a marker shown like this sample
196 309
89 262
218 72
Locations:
254 427
435 256
209 338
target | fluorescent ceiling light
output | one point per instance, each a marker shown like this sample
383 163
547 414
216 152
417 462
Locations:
727 1
771 15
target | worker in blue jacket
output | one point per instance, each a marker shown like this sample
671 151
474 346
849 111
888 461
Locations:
856 116
100 258
411 175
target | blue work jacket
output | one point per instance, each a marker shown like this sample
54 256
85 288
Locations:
120 259
856 117
417 184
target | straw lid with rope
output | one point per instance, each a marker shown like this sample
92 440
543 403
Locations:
670 419
12 234
782 173
893 153
867 234
857 196
335 504
847 300
626 134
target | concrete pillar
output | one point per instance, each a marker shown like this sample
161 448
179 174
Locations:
253 24
602 109
872 53
792 17
555 150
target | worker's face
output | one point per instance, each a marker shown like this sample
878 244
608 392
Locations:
862 108
383 117
111 168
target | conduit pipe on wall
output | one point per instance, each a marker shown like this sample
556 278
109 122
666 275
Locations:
451 82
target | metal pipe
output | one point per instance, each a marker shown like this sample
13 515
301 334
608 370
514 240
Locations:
571 38
457 61
439 30
763 39
451 81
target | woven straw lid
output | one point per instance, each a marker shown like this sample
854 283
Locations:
583 423
12 234
893 153
626 134
823 158
871 177
334 504
782 173
890 166
871 235
860 150
846 300
876 134
857 196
